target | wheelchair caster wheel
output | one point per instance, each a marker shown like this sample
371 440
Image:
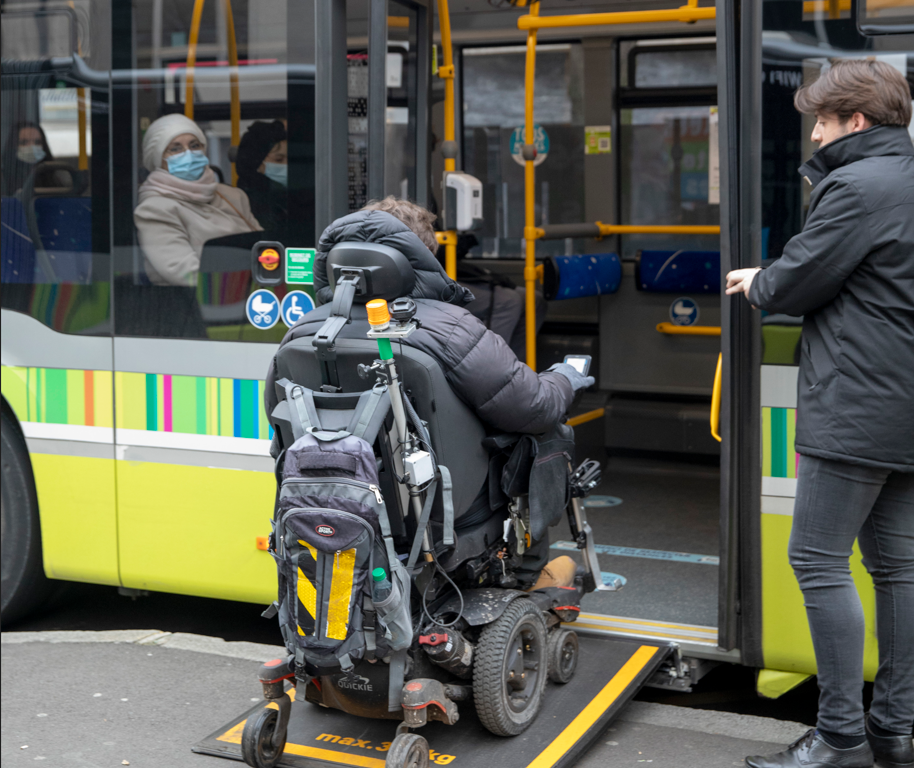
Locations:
257 747
509 672
563 655
408 750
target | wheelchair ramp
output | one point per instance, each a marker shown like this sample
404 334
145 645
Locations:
610 672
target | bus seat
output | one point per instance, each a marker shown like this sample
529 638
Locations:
678 271
224 279
64 226
16 245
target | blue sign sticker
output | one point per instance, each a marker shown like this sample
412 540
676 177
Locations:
684 311
540 141
295 306
262 309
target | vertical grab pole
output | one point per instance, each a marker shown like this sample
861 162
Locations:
449 148
233 82
530 193
192 59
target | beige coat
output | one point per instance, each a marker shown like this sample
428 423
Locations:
172 231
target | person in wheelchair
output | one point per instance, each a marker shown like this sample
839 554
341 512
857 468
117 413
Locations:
419 466
478 364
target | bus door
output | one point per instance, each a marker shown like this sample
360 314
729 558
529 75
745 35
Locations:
56 276
195 483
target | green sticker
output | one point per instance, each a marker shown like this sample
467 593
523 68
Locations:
300 266
597 139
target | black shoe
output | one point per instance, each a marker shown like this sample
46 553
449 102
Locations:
811 751
891 751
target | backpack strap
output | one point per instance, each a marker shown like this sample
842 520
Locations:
370 413
447 498
423 524
302 412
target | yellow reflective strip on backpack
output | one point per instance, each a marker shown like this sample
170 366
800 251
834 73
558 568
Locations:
340 595
307 594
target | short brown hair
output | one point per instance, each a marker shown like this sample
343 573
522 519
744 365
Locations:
420 220
873 88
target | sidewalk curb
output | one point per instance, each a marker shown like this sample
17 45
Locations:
181 641
747 727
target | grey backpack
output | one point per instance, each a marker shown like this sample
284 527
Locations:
330 531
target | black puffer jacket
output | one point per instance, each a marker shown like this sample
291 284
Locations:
478 364
850 272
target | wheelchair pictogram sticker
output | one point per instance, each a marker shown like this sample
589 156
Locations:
262 309
295 306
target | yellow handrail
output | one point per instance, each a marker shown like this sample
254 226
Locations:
687 14
688 330
585 417
192 59
715 399
446 73
233 82
83 161
233 71
529 191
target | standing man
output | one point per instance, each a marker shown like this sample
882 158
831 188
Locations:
850 273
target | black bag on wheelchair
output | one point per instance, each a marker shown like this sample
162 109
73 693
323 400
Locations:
331 531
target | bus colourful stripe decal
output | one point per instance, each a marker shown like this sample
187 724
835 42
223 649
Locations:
166 397
779 456
89 398
153 402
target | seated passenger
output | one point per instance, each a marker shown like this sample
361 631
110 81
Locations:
182 204
26 147
263 173
477 363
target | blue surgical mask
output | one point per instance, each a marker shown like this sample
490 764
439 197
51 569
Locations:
31 154
188 165
278 172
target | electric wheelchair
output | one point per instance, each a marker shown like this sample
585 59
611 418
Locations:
460 531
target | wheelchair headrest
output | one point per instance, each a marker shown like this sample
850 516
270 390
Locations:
384 272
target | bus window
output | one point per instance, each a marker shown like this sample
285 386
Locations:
53 170
493 118
221 157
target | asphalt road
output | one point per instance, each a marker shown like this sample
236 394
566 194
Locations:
88 607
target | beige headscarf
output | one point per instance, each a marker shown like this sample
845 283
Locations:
161 133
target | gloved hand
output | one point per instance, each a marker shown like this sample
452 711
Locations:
576 378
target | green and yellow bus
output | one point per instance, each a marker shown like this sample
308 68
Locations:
135 445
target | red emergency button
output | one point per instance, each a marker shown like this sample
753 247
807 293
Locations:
269 258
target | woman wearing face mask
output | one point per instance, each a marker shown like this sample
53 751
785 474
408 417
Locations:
263 173
26 147
182 204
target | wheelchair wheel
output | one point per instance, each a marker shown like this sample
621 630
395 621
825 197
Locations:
563 655
408 750
509 672
257 748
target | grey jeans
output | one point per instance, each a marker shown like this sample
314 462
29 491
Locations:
837 503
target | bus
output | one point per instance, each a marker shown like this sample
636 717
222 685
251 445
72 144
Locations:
135 443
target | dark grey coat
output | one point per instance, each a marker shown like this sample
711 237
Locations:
850 273
478 364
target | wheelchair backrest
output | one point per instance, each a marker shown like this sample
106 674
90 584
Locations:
454 428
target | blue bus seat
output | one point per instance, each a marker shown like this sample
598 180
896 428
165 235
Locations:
678 271
65 229
16 246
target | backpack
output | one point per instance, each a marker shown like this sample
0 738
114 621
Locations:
330 531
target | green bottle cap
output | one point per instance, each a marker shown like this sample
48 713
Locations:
379 574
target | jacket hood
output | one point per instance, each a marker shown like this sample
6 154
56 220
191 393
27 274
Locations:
878 141
432 281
